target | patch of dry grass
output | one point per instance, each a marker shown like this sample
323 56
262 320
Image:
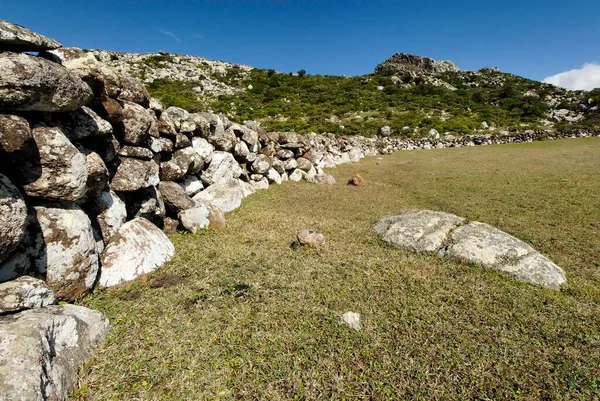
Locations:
239 314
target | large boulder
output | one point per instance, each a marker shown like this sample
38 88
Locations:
204 215
133 174
69 257
16 38
226 195
223 167
62 168
41 350
446 235
418 230
13 215
83 123
31 83
138 247
133 90
25 293
491 248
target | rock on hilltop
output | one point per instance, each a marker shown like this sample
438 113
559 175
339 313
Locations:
403 63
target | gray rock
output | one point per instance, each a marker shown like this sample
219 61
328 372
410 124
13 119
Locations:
262 164
133 174
136 122
63 174
69 258
16 38
160 145
13 215
310 238
323 179
304 164
273 176
24 293
491 248
203 148
97 178
203 215
352 320
262 183
133 90
31 83
182 162
175 115
146 203
139 247
418 230
226 195
102 79
42 350
222 167
136 152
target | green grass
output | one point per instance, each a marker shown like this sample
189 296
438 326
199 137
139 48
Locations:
240 314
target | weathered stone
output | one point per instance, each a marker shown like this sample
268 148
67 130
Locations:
17 38
182 162
203 215
227 195
191 185
175 115
262 183
357 180
97 179
111 111
222 167
133 174
202 125
290 164
297 175
156 105
14 133
84 122
273 176
42 350
63 174
310 238
181 141
103 80
160 145
69 257
24 293
262 164
136 152
174 197
284 154
138 247
171 226
418 230
136 123
13 215
203 148
491 248
133 90
352 320
31 83
323 179
146 203
111 213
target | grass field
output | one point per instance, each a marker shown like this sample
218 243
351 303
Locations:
241 314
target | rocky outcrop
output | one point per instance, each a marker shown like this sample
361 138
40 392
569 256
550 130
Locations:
447 235
41 350
401 63
137 248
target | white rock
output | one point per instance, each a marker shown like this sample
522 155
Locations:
41 350
112 214
226 195
222 167
13 217
195 219
296 175
139 247
24 293
263 183
273 176
191 185
352 320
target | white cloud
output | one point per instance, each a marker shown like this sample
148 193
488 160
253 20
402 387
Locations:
585 78
169 33
198 35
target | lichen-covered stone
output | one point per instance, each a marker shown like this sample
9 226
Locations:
13 217
24 293
17 38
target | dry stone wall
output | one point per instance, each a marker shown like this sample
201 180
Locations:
92 169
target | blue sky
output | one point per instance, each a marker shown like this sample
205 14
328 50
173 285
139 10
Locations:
531 38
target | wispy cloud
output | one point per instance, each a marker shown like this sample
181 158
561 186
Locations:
585 78
198 35
169 33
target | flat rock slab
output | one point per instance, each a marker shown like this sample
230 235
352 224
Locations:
41 350
16 38
418 230
226 195
447 235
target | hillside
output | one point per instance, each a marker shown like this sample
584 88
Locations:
409 94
